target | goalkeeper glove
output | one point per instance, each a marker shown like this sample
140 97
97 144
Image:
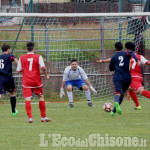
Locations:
93 90
62 93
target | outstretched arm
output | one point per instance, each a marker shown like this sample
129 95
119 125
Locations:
16 61
148 62
104 61
19 66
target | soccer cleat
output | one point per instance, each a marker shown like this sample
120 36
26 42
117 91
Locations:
112 113
45 119
118 109
14 114
70 105
138 108
30 120
91 104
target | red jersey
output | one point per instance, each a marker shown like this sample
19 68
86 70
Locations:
30 65
135 69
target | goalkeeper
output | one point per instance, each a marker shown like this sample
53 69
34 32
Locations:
74 75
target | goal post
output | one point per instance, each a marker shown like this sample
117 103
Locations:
59 37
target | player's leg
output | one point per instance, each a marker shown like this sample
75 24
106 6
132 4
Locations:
81 85
27 93
42 106
117 103
120 101
13 103
10 87
43 109
135 85
2 86
120 89
87 95
69 86
143 92
135 99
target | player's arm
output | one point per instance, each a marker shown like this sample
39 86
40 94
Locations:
133 55
144 61
16 60
90 86
148 62
19 66
62 92
85 78
63 84
45 72
104 61
42 65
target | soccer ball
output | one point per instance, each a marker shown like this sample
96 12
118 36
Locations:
107 107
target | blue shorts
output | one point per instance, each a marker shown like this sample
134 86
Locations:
78 83
121 87
6 83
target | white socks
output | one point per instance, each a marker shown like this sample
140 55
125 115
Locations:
88 96
70 97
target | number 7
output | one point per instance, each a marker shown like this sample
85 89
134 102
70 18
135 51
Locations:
31 62
134 63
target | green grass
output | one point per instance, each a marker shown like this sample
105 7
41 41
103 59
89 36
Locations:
79 122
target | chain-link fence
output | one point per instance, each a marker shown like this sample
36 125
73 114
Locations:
58 39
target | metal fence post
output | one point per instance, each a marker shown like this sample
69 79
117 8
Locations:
32 22
47 42
102 38
120 25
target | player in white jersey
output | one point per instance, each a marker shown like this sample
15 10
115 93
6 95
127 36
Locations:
74 75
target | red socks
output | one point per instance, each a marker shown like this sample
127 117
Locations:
42 108
134 98
146 93
28 108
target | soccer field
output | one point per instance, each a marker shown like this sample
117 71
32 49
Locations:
76 126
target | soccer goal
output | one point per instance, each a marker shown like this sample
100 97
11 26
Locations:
85 36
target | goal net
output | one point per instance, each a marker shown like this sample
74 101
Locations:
85 36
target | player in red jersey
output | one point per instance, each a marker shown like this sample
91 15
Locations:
30 64
136 84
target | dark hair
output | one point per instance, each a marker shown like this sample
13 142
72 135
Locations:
118 46
5 47
130 46
30 46
73 60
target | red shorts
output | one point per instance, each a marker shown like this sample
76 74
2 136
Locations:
136 83
28 92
